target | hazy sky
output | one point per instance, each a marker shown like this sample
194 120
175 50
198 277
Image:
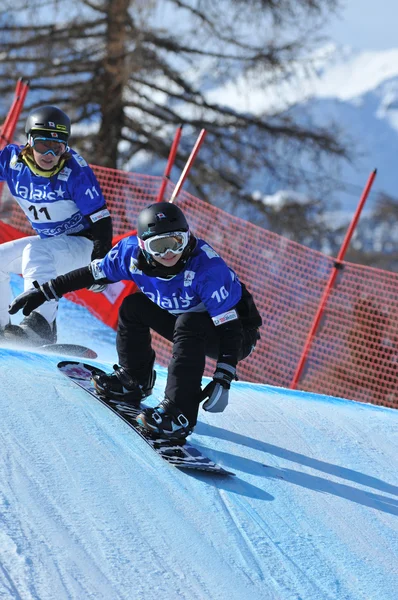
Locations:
366 24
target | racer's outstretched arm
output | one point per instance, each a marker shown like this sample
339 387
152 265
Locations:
54 290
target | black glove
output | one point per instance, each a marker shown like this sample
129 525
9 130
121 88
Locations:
34 298
100 248
101 231
217 391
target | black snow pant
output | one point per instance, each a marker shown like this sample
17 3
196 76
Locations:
194 336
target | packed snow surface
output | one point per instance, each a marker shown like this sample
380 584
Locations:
89 511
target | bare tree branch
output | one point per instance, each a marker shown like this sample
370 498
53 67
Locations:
112 62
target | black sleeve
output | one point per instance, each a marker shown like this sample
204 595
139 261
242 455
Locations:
231 333
75 280
231 339
101 233
247 310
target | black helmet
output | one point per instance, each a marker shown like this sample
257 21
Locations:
158 218
48 121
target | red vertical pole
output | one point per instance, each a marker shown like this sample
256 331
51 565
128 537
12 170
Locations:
332 278
170 163
188 165
8 128
22 92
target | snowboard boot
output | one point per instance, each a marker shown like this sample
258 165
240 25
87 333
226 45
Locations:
165 422
121 386
33 330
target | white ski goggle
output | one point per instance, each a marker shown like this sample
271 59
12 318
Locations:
159 245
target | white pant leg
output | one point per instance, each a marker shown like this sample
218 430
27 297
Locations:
44 259
73 253
10 262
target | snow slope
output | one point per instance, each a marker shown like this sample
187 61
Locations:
88 511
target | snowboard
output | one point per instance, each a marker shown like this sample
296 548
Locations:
70 349
182 456
75 350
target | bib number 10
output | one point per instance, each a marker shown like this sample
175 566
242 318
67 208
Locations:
220 294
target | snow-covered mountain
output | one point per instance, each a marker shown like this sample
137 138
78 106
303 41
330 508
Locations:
361 95
358 92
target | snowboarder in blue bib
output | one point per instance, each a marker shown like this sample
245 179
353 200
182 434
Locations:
60 196
188 295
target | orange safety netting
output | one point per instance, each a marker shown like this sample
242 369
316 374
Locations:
355 351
